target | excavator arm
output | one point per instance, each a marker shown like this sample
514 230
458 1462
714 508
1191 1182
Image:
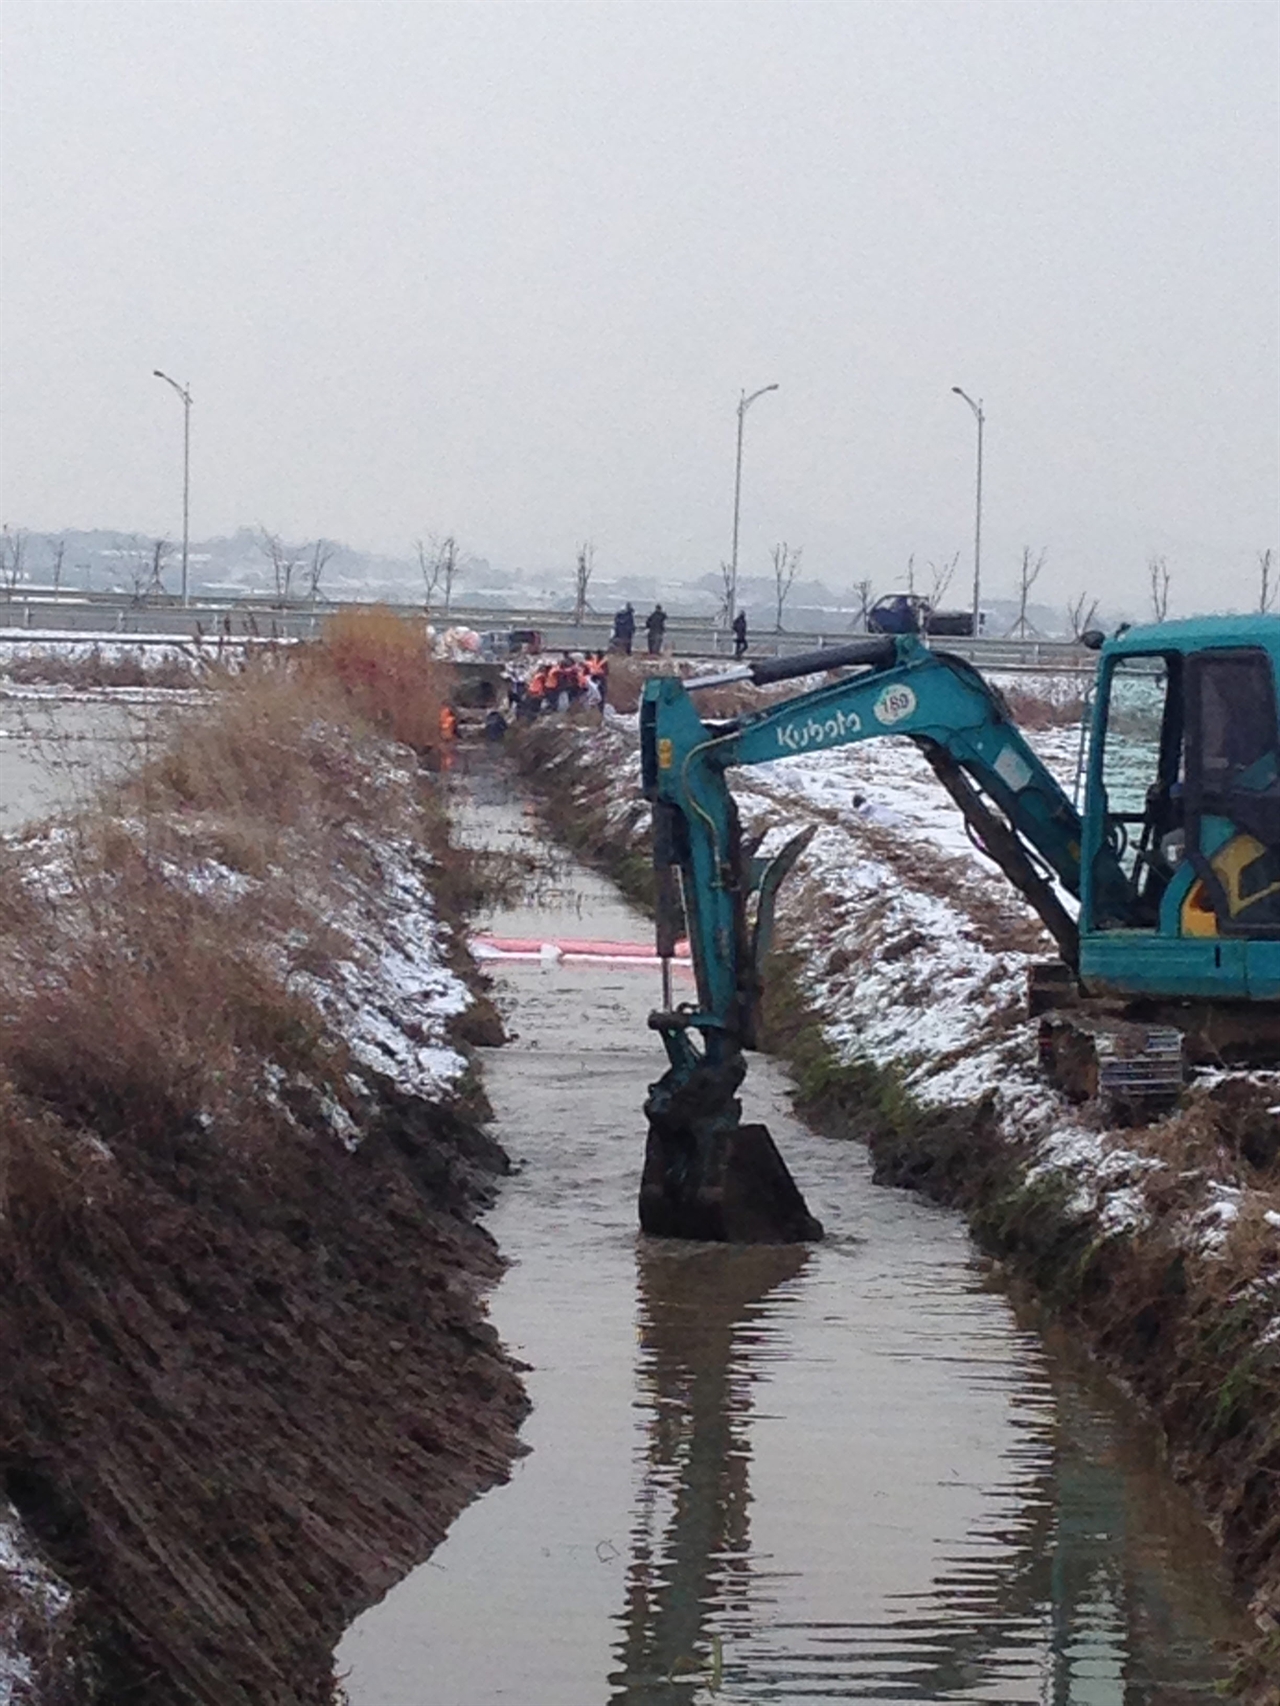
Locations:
706 1175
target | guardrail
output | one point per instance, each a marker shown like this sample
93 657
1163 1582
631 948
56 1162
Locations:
99 617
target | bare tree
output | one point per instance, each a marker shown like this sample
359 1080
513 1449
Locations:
1158 570
320 557
447 551
430 566
1266 586
940 577
13 551
583 570
1028 575
440 567
1081 614
284 563
134 556
862 593
786 565
160 552
57 550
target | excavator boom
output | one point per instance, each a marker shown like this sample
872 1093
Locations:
706 1174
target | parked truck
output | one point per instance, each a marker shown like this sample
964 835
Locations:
908 613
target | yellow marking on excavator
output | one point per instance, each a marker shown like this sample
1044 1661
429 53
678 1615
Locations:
1198 918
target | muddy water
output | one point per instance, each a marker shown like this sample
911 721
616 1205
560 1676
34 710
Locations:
826 1474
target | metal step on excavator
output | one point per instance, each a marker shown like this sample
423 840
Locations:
1162 893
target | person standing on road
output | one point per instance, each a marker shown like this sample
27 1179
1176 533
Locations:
739 633
624 628
655 626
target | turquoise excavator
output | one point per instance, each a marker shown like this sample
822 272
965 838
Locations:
1161 893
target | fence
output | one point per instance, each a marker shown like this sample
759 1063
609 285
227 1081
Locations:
105 617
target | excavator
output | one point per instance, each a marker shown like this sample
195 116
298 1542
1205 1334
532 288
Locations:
1161 892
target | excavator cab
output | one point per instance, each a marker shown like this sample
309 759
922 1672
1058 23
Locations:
1184 799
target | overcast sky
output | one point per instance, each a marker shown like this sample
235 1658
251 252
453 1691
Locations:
501 270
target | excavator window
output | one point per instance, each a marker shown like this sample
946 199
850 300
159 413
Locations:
1233 788
1141 788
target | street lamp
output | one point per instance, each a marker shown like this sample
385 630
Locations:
977 521
184 391
744 403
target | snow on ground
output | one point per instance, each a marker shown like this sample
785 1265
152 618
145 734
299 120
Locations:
888 781
60 693
392 1001
899 918
77 644
916 952
32 1599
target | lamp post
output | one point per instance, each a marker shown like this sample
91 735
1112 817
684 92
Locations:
977 520
184 391
744 403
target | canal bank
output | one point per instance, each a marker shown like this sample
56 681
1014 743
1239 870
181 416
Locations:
847 1471
248 1377
896 994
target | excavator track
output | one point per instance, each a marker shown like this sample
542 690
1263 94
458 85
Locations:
1135 1070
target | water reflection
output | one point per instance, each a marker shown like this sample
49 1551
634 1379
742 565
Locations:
703 1336
1067 1593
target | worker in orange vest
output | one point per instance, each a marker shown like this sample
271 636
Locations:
448 735
551 691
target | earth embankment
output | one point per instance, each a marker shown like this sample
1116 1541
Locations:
248 1377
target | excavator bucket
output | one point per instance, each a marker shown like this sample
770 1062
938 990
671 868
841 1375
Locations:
707 1176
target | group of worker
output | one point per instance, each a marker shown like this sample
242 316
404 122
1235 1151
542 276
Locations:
655 627
563 683
624 629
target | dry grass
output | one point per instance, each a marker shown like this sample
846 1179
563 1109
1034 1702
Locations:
382 663
95 669
153 948
143 1012
1032 709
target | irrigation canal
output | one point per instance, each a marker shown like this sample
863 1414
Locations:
827 1474
755 1475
